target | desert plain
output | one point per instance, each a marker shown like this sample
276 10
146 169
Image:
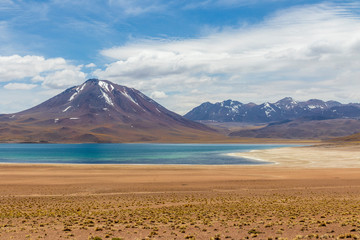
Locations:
311 192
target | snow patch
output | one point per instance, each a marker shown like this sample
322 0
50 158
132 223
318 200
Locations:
77 91
232 107
73 96
268 110
56 120
315 106
268 113
235 108
74 118
66 109
129 97
107 98
82 87
106 86
158 110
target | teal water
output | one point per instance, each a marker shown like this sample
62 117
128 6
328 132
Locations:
193 154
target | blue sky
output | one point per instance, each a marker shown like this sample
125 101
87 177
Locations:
180 52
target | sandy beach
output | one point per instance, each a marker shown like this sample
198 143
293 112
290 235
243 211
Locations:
318 156
313 192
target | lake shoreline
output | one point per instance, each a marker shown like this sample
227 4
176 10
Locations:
316 156
130 154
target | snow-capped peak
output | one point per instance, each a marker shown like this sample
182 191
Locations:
287 103
267 105
268 109
106 86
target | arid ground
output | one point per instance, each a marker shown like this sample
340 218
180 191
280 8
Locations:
312 193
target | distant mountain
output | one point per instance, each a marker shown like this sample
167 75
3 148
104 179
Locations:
303 129
99 111
284 109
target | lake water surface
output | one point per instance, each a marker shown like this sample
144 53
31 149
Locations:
193 154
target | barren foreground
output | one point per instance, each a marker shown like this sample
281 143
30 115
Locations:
178 202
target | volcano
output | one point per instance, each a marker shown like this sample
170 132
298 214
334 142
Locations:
100 111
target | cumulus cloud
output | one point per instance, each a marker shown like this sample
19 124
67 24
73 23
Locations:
90 65
64 78
34 79
19 86
52 72
315 46
158 95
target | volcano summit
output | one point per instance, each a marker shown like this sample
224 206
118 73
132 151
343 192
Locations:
99 111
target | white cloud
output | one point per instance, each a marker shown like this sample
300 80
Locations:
313 47
90 65
17 67
158 95
30 80
64 78
19 86
52 72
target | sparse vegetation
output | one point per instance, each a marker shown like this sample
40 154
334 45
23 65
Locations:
183 203
187 216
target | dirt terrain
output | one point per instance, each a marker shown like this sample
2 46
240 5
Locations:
279 201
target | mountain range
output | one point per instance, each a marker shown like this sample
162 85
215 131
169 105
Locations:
100 111
302 129
282 110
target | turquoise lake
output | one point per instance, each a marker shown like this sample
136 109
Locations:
192 154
